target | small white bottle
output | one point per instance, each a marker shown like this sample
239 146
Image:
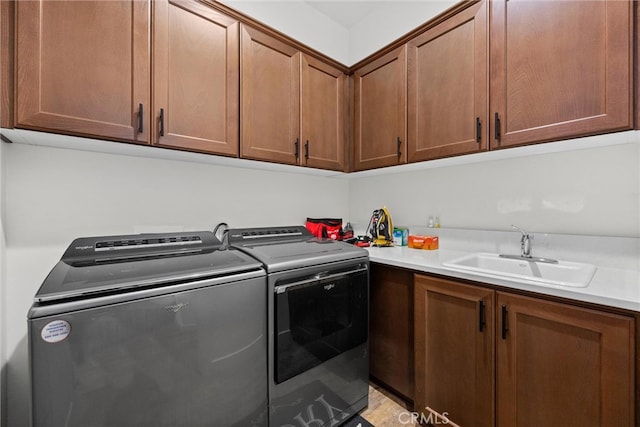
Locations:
430 222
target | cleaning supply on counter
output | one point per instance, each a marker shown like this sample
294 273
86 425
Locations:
400 236
424 242
433 221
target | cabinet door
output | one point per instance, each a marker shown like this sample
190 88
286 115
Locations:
323 108
391 328
270 101
83 67
447 87
565 73
454 351
380 122
196 78
562 365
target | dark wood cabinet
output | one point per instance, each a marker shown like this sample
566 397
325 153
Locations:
565 73
484 75
270 100
391 328
562 365
454 351
380 118
550 363
323 115
94 80
293 105
196 82
448 87
83 68
636 68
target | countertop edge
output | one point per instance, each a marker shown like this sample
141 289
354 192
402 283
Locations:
430 262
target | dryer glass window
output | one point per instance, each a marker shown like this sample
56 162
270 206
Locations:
318 319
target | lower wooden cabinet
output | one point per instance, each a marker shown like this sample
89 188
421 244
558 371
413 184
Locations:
555 363
391 328
562 365
454 342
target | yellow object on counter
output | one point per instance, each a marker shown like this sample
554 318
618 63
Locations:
429 243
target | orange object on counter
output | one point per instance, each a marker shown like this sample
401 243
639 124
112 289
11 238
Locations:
424 242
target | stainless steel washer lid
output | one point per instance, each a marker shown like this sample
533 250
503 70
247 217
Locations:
279 252
71 279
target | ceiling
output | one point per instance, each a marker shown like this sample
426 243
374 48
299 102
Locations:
345 13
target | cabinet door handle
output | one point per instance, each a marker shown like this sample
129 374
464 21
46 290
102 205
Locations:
306 150
162 122
399 146
496 126
297 147
478 130
504 322
140 119
481 316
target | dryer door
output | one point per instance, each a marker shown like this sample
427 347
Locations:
319 318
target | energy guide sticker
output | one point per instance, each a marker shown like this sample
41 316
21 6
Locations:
55 331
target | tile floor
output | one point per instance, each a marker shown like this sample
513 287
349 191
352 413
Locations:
386 409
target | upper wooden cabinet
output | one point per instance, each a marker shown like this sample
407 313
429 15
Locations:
270 100
94 79
293 105
380 119
196 82
484 75
559 69
323 115
83 68
447 87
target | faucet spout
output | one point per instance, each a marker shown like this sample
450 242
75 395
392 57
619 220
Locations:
525 242
525 249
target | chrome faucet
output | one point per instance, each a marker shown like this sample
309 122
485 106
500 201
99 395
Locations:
525 249
525 242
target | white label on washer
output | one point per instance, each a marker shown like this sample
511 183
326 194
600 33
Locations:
55 331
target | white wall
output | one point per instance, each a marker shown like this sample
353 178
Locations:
389 21
592 191
301 22
54 195
382 22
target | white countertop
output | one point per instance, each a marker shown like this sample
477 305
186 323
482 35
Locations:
610 286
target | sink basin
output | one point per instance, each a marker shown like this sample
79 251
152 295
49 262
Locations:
572 274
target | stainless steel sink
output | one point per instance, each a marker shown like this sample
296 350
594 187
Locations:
562 273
